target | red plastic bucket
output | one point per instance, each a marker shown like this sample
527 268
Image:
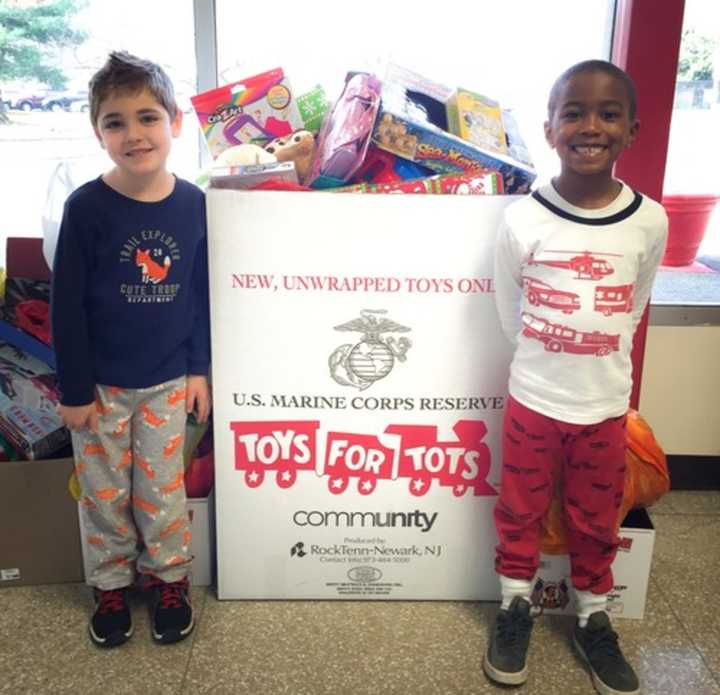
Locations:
688 216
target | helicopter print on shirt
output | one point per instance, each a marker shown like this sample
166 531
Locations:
586 265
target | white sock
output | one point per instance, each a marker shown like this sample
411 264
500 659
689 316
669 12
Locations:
510 588
587 604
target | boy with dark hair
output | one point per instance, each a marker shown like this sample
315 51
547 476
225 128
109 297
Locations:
597 244
131 335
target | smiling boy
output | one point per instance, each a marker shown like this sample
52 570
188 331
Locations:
589 236
131 336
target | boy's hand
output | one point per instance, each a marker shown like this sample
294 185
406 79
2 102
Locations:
78 417
198 397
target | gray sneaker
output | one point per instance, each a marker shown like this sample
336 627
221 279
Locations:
597 644
505 659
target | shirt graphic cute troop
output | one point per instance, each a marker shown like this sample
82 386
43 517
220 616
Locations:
150 256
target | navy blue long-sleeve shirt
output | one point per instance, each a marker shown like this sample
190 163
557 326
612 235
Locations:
129 290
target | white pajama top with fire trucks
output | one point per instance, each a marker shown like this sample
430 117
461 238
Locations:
571 286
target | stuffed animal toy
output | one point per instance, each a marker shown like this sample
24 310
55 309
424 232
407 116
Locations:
243 155
298 147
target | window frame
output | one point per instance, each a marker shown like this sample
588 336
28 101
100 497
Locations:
638 27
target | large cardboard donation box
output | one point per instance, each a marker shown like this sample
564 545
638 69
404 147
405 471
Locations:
359 376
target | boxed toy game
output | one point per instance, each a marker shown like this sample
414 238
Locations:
478 119
254 110
413 124
28 402
245 177
445 153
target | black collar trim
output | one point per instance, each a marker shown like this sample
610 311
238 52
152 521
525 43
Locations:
592 221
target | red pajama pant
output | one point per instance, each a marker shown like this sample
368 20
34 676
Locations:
587 463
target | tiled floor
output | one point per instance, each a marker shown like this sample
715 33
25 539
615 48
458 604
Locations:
318 648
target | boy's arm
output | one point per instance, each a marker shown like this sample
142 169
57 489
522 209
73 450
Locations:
199 340
646 275
508 282
68 315
198 391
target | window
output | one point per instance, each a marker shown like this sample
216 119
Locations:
495 49
49 126
691 170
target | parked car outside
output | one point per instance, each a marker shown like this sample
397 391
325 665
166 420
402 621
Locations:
24 102
64 101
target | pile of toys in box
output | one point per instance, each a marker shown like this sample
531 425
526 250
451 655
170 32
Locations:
405 134
30 427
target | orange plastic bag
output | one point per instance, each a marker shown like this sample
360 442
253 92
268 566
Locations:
646 481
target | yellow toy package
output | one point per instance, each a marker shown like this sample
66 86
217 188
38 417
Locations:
477 119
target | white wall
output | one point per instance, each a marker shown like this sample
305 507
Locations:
680 394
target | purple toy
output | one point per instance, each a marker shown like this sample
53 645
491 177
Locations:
346 133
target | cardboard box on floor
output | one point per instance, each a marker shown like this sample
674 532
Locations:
39 531
631 572
202 546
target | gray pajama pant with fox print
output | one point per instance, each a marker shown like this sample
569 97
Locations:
133 505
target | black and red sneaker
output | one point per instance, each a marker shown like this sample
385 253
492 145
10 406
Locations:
111 623
171 612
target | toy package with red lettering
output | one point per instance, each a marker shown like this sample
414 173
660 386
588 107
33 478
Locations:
28 401
254 110
476 183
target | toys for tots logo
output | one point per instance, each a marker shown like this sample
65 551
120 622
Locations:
407 453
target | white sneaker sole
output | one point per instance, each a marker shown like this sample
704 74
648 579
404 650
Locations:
503 677
173 636
599 685
115 640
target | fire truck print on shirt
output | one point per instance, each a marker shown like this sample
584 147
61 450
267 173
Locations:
583 268
151 255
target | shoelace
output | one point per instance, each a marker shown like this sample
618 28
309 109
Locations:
171 593
513 629
604 643
111 602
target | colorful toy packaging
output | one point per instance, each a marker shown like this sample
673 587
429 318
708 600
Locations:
246 177
412 124
480 183
376 137
516 145
476 118
383 167
254 110
28 403
313 106
345 135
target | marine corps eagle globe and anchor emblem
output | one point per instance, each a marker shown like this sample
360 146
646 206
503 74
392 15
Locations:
372 358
